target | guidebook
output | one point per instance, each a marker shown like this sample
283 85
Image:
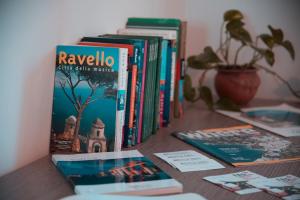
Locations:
286 187
89 99
236 182
123 172
242 145
283 119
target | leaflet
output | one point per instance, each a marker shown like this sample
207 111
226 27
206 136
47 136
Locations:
236 182
286 187
186 161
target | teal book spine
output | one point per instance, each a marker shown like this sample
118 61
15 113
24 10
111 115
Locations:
88 99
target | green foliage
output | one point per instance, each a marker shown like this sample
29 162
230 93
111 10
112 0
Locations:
233 30
204 60
206 96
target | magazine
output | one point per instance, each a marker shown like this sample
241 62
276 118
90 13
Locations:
124 172
242 145
283 119
186 196
236 182
187 161
287 187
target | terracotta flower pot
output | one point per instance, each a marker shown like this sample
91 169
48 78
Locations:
238 85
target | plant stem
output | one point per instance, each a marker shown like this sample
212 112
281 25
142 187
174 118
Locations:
227 48
292 90
221 37
237 53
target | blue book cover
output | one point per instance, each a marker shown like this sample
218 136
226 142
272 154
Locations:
89 98
242 145
125 172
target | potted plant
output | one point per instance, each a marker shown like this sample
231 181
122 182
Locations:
236 81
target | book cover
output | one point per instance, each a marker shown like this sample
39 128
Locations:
142 46
286 187
89 99
242 145
131 87
236 182
164 24
283 119
124 172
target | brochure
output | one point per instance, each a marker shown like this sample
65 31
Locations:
283 119
242 145
286 187
236 182
187 161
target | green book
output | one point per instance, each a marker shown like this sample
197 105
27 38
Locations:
165 24
151 99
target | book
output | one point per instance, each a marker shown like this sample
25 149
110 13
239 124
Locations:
131 87
283 119
151 96
242 145
169 37
187 161
123 172
142 45
286 187
189 196
236 182
185 196
88 99
164 24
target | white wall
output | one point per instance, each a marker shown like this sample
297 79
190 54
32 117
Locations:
31 29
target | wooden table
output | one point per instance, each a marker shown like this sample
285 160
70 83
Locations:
41 180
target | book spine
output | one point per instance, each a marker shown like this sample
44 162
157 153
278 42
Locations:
140 124
121 98
130 101
156 105
147 113
182 51
163 69
167 100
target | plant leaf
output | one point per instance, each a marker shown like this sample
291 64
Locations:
206 96
269 57
241 34
196 62
268 40
289 47
189 91
204 59
234 24
211 56
232 14
277 34
226 104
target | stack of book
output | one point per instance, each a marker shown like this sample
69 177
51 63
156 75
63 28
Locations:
113 91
